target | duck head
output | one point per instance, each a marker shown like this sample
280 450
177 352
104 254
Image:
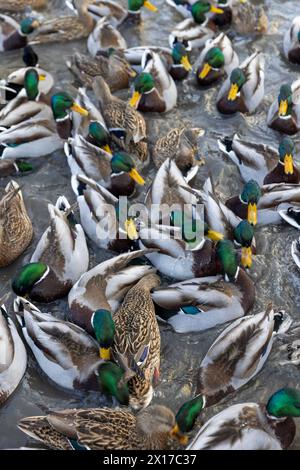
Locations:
228 259
186 417
111 380
250 196
237 80
143 83
28 277
180 56
243 235
29 25
286 152
62 103
284 403
122 162
214 59
136 5
99 136
31 83
200 8
104 329
285 101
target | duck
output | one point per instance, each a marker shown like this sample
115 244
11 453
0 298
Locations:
63 109
181 145
284 112
153 428
243 90
60 258
247 18
103 37
13 356
126 125
14 167
261 162
252 426
217 60
17 229
291 42
245 204
154 88
16 6
103 226
14 35
104 287
66 28
114 68
200 303
291 215
137 341
196 29
66 353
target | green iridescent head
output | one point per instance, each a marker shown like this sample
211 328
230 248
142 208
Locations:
180 55
99 134
144 83
136 5
284 403
24 166
244 233
31 84
61 104
188 413
200 8
104 329
28 277
122 161
251 193
110 378
215 58
285 100
28 25
227 256
298 35
237 77
286 147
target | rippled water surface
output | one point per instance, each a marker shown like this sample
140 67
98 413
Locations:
275 274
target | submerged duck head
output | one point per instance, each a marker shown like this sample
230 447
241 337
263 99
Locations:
122 162
62 103
180 56
286 152
143 83
31 83
250 196
214 59
111 380
29 276
136 5
200 8
284 403
29 25
100 136
227 256
243 235
104 328
285 101
237 80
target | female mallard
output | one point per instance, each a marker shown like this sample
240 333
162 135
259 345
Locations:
243 91
201 303
154 88
252 426
198 29
17 5
217 60
60 258
260 162
104 287
247 18
104 37
14 35
13 356
114 68
17 230
102 226
181 145
284 113
137 341
66 28
153 428
126 125
291 42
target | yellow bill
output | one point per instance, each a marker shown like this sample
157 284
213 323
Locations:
215 236
134 174
107 149
104 354
78 109
252 213
134 102
186 63
131 229
42 77
216 10
288 165
246 257
150 6
205 71
175 432
234 89
35 24
283 107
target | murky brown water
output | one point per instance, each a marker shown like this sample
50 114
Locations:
275 274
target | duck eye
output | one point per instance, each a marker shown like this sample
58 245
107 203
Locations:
143 356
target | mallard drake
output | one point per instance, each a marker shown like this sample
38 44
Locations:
291 41
154 88
17 230
13 167
126 125
59 259
137 341
198 29
104 287
101 225
217 60
200 303
260 162
63 109
181 145
13 356
252 426
243 91
114 68
291 215
284 112
104 428
103 37
245 204
16 6
14 35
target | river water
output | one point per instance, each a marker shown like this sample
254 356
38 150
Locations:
275 274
